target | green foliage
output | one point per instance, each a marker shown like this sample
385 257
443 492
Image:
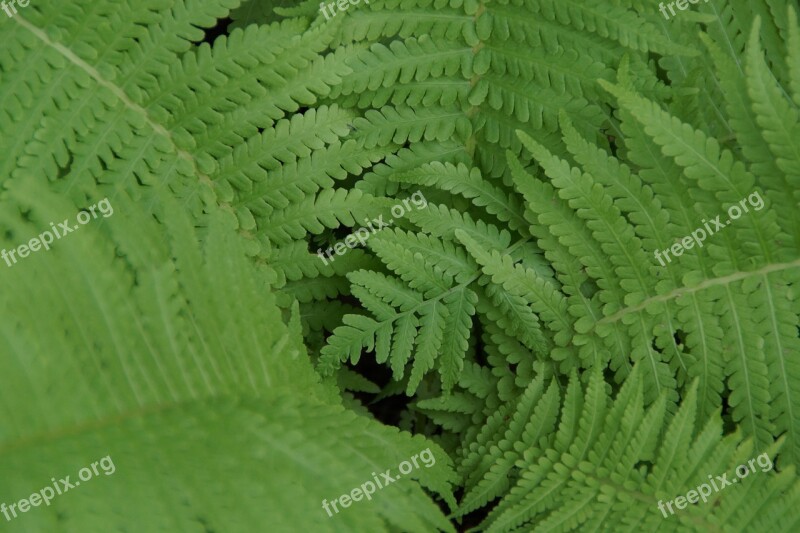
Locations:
168 357
150 336
519 324
611 462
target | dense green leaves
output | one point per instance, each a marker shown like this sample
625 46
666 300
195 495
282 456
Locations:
149 360
591 306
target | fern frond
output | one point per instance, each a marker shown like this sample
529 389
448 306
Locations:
571 491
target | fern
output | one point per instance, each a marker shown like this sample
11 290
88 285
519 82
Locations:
151 335
612 462
151 358
519 324
592 209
